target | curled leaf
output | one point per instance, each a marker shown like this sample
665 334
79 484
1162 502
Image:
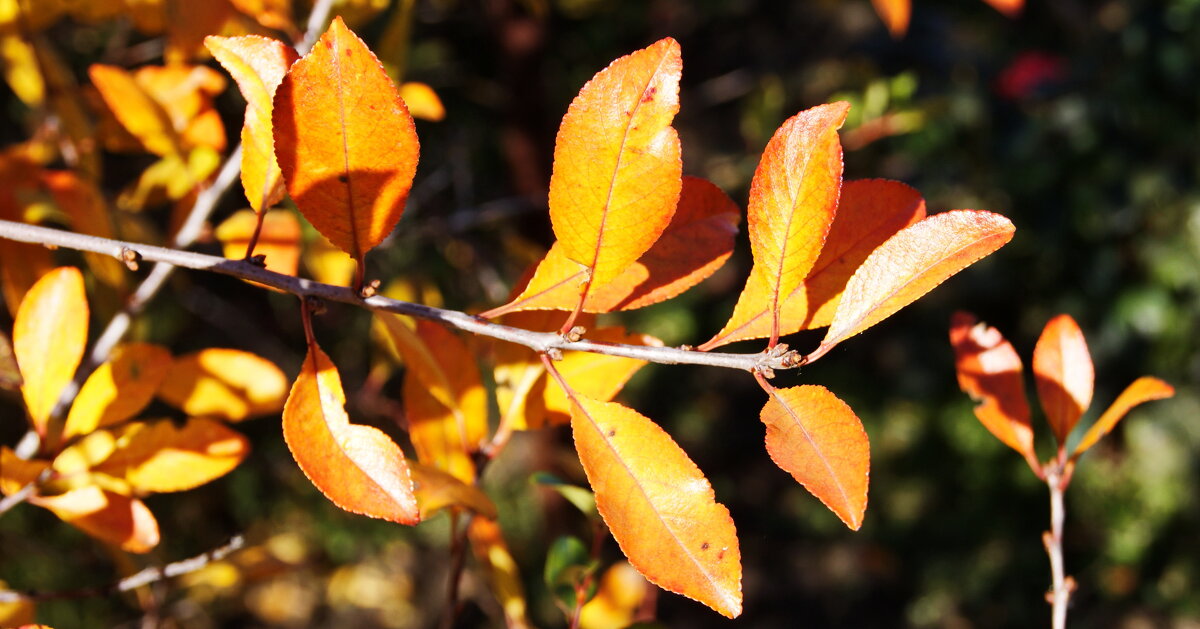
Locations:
345 142
989 370
617 164
1063 373
224 383
817 438
1144 389
658 505
359 468
910 264
49 336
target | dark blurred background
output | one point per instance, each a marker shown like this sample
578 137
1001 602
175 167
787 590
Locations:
1077 120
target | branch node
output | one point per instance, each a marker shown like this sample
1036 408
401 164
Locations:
370 289
575 334
131 258
766 371
554 353
259 260
687 348
315 304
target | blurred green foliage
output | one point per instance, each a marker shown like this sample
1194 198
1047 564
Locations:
1093 155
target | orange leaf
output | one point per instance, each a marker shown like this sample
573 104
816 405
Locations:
597 376
487 542
49 336
443 365
118 389
910 264
422 101
617 166
658 505
273 14
817 438
1008 7
357 467
135 109
85 206
1144 389
698 240
1063 373
107 516
224 383
870 211
793 198
16 472
895 15
617 599
989 370
162 457
436 432
258 64
437 490
279 239
185 92
345 142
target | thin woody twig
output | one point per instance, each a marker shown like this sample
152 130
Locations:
763 362
133 581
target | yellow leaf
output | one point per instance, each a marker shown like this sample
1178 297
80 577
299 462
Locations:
437 490
135 109
327 263
163 457
108 516
422 101
503 576
224 383
279 239
617 599
49 336
118 389
19 60
597 376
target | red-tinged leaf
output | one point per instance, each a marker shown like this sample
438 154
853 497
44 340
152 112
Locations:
357 467
869 212
697 241
107 516
793 198
118 389
1063 373
1008 7
49 336
437 490
163 457
910 264
817 438
500 568
1144 389
258 65
345 142
84 204
224 383
658 505
895 15
989 370
617 166
135 109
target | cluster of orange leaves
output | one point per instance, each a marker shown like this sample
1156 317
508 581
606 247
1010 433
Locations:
332 131
989 370
897 13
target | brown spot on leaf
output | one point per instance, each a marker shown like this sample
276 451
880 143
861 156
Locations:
704 546
612 432
649 96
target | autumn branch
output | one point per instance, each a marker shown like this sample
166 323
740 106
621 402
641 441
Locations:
133 581
544 342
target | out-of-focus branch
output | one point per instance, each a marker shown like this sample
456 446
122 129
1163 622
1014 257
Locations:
543 342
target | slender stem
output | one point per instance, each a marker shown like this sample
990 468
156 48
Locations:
538 341
458 553
1060 594
133 581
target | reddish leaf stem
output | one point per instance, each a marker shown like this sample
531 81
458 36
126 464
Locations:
1059 596
258 225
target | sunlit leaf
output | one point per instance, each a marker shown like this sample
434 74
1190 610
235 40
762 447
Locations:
895 15
697 241
135 109
279 240
422 101
224 383
185 93
49 336
327 263
658 505
437 490
359 468
1144 389
617 165
107 516
912 263
118 389
869 212
161 456
258 65
989 370
345 142
20 66
793 198
1063 373
597 376
817 438
273 14
621 592
503 576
